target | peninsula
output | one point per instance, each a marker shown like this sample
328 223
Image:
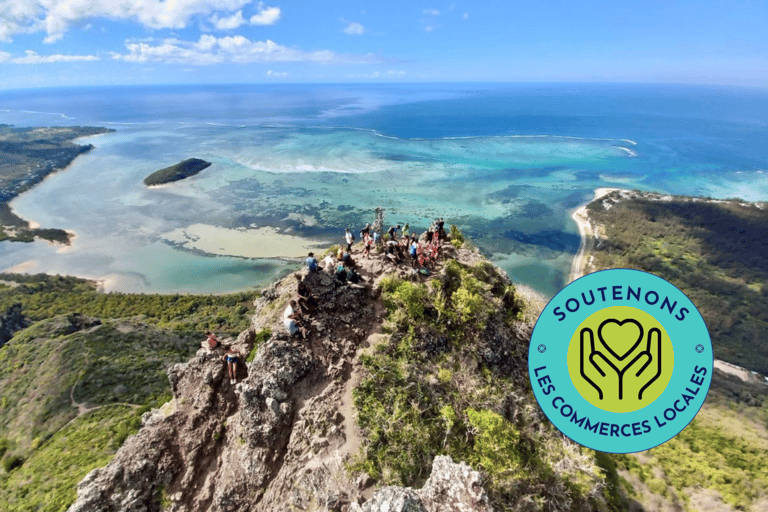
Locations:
27 156
177 172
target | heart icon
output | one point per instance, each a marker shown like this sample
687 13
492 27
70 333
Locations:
620 338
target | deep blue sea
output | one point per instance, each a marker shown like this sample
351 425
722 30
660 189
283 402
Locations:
505 162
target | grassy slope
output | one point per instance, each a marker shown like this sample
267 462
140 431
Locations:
714 252
120 358
427 391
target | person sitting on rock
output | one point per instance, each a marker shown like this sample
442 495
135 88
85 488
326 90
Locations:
291 320
392 232
303 297
312 262
329 263
231 357
213 342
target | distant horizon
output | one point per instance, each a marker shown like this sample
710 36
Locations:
123 42
383 84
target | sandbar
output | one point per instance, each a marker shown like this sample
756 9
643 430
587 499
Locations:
264 242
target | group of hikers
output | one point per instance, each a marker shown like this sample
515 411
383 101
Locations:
398 245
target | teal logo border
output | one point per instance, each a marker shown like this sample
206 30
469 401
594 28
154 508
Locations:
657 422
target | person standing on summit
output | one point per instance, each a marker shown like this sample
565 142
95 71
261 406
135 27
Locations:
350 239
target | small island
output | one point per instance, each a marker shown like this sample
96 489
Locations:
177 172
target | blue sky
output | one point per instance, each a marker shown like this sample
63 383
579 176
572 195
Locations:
101 42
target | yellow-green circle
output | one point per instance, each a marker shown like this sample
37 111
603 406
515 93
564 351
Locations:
622 326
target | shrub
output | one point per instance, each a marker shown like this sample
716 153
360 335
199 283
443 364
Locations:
262 336
12 462
457 238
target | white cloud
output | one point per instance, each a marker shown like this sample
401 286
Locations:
4 56
33 58
277 73
266 15
233 22
431 12
429 28
465 15
55 17
212 50
354 28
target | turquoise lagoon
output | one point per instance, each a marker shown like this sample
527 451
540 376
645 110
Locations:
506 163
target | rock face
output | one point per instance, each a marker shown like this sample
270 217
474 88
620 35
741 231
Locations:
451 487
10 322
281 436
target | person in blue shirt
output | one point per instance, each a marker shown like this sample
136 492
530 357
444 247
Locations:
414 252
312 262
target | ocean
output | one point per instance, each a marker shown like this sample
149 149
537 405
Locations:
507 163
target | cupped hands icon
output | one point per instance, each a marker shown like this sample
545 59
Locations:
620 362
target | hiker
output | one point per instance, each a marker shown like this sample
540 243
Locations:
344 258
441 228
365 231
291 316
312 262
391 251
329 263
213 341
368 242
231 357
303 297
350 239
376 237
341 273
406 231
413 250
392 232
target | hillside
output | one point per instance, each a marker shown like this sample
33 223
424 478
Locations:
176 172
80 369
402 377
714 252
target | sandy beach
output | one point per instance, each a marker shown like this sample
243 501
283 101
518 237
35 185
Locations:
21 268
587 233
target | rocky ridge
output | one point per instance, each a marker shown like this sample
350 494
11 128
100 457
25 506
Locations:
279 438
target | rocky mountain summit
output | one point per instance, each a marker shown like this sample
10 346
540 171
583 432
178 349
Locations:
284 435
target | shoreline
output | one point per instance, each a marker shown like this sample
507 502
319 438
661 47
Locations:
586 232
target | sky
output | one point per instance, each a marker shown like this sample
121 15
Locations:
50 43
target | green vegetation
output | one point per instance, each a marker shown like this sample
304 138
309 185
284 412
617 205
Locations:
176 172
105 353
44 296
47 481
713 251
457 238
706 457
261 336
22 232
429 390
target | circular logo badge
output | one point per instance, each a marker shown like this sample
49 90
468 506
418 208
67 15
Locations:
627 362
